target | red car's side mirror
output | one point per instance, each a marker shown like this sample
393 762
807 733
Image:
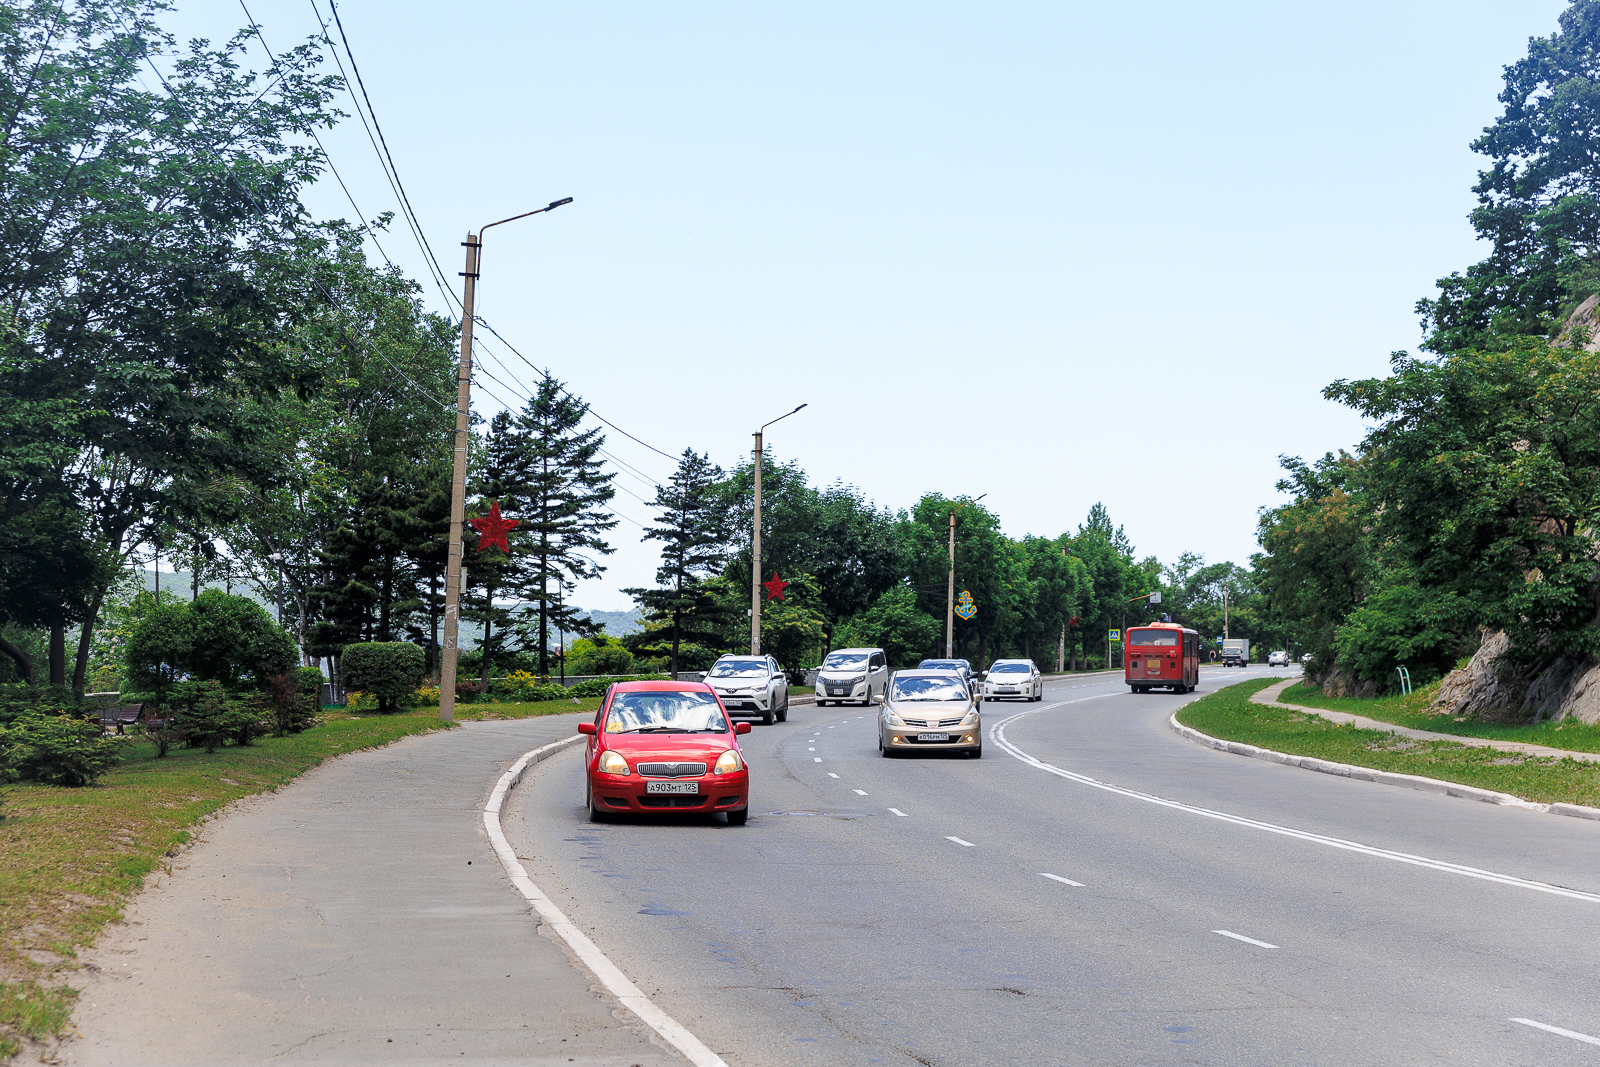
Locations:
586 728
741 727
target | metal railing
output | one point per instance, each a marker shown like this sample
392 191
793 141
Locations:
1405 681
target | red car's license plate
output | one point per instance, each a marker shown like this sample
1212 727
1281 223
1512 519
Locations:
672 787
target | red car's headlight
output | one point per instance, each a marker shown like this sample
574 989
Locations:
613 763
728 762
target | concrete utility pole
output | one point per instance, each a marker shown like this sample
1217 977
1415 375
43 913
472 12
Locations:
458 477
755 546
1224 613
950 590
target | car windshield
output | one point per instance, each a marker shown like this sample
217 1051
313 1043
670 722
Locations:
845 661
739 668
941 665
665 712
1010 668
929 689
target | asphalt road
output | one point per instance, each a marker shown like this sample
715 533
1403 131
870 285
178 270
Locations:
1102 893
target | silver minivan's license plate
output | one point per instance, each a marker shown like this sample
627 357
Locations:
672 787
933 737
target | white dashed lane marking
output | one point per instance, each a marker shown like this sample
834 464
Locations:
1557 1030
1058 878
958 841
1249 940
861 792
900 813
816 759
832 775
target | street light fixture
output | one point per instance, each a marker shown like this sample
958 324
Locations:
950 589
458 479
755 547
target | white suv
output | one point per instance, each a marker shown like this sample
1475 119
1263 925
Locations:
852 674
751 685
1013 678
1278 659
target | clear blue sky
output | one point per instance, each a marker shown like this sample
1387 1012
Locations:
1057 253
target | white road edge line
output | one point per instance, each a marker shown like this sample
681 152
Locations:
958 841
1241 937
900 813
610 975
1557 1030
1057 877
997 734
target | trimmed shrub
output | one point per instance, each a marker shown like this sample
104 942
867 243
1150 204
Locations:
389 670
309 679
209 715
216 637
57 750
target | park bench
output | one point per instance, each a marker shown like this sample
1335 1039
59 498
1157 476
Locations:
118 717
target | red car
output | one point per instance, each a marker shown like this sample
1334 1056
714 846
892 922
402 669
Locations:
665 747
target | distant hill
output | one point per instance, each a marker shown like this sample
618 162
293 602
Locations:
618 623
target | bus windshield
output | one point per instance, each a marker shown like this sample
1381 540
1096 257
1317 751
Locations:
1152 637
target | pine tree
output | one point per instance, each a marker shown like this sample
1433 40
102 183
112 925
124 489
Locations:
561 505
505 469
692 550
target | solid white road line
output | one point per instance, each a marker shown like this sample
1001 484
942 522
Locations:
1241 937
1057 877
900 813
958 841
997 734
610 975
1557 1030
861 792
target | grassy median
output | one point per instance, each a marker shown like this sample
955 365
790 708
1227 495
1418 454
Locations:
1228 714
1413 711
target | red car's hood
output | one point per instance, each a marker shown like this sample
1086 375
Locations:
669 747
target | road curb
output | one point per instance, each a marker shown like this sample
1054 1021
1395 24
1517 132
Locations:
599 964
1368 774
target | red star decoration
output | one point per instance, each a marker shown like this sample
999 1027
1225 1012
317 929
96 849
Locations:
775 587
492 530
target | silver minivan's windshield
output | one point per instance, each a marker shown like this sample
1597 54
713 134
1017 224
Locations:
1010 668
845 661
665 712
929 689
941 665
739 668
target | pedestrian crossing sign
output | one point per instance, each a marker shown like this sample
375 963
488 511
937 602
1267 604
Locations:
1115 635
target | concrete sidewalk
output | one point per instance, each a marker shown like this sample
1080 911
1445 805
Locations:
357 914
1270 694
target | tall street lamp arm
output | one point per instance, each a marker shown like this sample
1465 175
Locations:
458 480
755 545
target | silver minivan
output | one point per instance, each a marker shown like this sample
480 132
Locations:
853 674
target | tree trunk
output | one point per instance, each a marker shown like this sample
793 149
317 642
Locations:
58 654
488 632
80 668
24 661
674 646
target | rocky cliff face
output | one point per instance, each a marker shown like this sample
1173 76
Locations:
1487 689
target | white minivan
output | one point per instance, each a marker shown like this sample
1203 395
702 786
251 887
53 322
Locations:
852 674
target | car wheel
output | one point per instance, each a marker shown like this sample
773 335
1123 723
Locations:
766 717
822 703
783 712
595 814
739 818
977 753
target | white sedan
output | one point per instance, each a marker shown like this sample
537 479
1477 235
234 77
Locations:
1015 679
1278 659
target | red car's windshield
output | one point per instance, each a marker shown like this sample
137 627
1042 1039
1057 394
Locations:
665 711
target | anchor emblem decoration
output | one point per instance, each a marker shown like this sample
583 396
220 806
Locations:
965 606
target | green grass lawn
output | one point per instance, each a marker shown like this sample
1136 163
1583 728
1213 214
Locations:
1228 714
1412 711
71 858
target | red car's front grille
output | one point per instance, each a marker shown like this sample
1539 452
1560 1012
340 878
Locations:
673 801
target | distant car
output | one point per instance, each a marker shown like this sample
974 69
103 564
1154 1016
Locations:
665 748
1278 659
929 711
852 674
1306 658
751 685
960 666
1009 678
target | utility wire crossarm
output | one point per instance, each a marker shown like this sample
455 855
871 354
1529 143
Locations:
458 479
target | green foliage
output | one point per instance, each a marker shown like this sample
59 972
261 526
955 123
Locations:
389 670
57 750
307 680
217 637
1401 625
20 699
894 623
293 706
209 715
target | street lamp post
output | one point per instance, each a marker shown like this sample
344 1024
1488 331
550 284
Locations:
458 478
755 547
950 589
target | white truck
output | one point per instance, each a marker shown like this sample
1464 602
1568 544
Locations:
1235 652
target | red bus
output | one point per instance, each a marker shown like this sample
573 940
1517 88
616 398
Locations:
1161 654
